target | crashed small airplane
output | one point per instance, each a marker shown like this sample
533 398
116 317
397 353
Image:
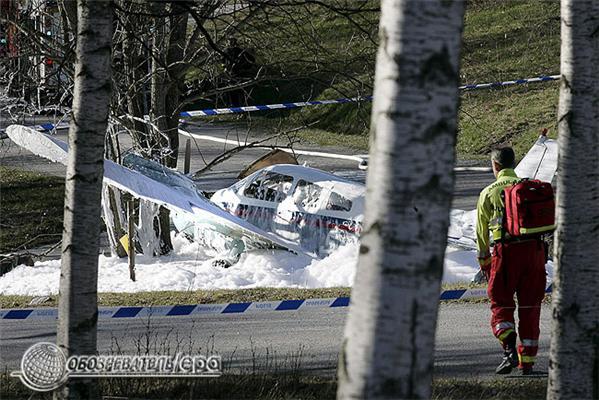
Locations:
290 207
317 210
152 182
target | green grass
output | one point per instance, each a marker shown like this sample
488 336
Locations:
512 116
502 40
195 297
309 48
31 208
216 296
510 39
219 297
328 138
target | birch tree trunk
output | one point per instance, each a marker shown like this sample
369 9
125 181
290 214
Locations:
574 355
390 331
167 74
78 311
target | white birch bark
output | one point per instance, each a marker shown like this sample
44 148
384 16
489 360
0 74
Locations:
167 74
390 332
574 355
78 311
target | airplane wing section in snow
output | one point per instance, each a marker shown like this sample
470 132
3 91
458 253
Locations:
541 160
180 198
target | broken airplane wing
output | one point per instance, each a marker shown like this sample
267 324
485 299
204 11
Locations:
541 160
193 205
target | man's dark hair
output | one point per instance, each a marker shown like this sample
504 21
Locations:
504 156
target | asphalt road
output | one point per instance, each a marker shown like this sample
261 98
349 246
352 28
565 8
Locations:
270 341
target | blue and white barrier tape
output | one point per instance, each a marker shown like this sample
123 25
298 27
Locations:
45 127
279 106
236 110
510 83
230 308
184 310
49 126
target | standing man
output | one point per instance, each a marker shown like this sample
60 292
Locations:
239 64
517 266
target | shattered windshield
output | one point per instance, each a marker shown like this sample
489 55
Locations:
269 186
307 195
338 203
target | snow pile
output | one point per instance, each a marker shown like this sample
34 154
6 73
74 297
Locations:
462 227
460 266
190 268
338 269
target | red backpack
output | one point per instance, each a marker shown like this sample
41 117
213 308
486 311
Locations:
529 208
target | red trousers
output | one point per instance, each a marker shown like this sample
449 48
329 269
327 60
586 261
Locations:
518 268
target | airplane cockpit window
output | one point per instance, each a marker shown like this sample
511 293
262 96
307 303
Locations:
269 187
307 195
338 203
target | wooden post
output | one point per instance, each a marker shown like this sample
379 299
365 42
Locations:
131 234
186 165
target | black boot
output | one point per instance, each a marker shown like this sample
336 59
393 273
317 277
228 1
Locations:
527 370
509 362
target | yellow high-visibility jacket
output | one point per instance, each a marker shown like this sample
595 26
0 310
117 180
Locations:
490 209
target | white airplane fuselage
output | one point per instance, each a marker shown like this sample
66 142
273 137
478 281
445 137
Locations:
314 209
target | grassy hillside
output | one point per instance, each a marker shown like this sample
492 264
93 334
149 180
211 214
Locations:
502 40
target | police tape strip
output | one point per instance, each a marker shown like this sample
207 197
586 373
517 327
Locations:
236 110
49 127
265 107
279 106
45 127
541 78
228 308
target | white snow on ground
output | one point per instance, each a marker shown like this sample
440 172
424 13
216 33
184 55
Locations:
190 268
463 226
